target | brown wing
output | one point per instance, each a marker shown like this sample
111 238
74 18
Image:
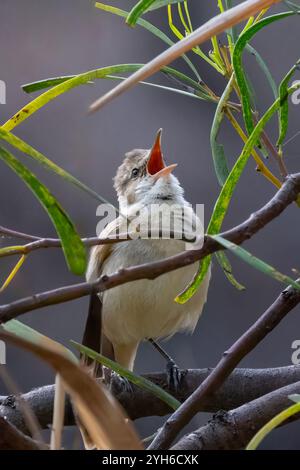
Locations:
93 336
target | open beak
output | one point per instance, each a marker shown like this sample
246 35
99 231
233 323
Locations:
156 166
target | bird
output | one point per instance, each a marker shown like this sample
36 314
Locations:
120 318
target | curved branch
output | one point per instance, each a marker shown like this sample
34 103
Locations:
285 196
12 438
286 301
234 429
241 387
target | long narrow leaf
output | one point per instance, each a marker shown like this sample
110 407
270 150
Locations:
162 3
265 69
223 201
149 27
81 79
240 45
135 379
138 10
73 248
284 104
255 262
219 158
227 269
48 164
97 409
272 424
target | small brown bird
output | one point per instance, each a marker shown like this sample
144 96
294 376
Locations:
142 309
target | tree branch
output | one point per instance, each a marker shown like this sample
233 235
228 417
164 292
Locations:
285 196
286 301
13 439
234 429
242 386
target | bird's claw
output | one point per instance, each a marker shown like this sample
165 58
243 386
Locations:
174 376
123 383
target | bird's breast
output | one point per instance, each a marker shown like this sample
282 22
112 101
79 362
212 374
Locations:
146 308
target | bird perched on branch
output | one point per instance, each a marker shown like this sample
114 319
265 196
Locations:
141 309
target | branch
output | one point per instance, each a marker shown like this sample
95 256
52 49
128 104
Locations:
241 387
234 429
285 196
13 439
286 301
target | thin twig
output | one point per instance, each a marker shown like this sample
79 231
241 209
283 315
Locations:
58 413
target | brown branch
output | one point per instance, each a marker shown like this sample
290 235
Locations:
39 243
242 386
285 196
286 301
234 429
12 438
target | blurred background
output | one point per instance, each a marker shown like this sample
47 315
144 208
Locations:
40 39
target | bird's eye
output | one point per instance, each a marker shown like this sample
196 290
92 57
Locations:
135 172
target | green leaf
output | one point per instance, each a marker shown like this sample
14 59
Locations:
47 83
194 93
73 248
135 379
256 262
138 10
48 164
233 32
284 104
151 28
240 45
26 332
219 158
163 3
227 269
223 201
272 424
265 69
81 79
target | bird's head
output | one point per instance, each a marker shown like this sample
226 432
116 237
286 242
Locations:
144 178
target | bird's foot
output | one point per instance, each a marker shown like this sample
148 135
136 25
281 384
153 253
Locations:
120 383
174 376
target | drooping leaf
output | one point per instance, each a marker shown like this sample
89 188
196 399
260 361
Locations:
255 262
29 334
272 424
97 409
73 248
149 27
265 69
48 164
162 3
227 269
240 45
137 11
223 201
77 80
284 104
219 158
135 379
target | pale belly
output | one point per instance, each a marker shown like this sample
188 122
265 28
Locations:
146 308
